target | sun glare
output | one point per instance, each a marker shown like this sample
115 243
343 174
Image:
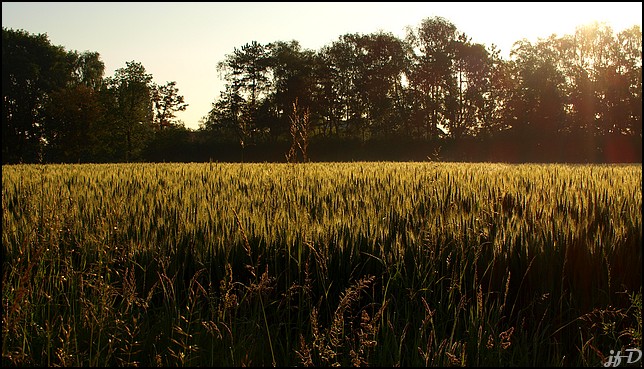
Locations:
561 19
503 24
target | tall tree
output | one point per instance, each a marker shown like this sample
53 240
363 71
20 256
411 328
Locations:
630 41
344 106
603 72
382 61
167 102
538 100
471 99
292 78
432 72
601 79
330 94
32 68
89 69
131 110
494 117
246 72
223 118
72 123
623 84
73 112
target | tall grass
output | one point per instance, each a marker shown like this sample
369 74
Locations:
320 264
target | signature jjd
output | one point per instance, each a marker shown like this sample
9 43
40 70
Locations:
616 359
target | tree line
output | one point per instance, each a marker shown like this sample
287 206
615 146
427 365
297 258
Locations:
432 94
59 107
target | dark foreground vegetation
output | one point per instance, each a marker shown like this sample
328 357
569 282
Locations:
384 264
435 93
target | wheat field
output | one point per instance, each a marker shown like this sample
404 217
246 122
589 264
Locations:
419 264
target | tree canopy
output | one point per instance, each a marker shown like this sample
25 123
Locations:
574 97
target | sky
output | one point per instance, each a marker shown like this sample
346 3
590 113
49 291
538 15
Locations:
184 41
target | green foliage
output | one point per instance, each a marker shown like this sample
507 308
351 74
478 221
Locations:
131 109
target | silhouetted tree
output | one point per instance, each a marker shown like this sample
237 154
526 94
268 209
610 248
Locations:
292 78
498 83
471 99
72 123
630 65
89 69
131 112
432 74
247 84
166 101
341 105
32 69
537 101
382 61
73 112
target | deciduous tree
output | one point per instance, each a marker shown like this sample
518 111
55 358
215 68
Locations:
131 110
32 68
167 102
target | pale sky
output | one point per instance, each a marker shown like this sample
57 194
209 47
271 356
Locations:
183 42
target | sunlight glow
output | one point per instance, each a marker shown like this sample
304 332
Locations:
503 24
